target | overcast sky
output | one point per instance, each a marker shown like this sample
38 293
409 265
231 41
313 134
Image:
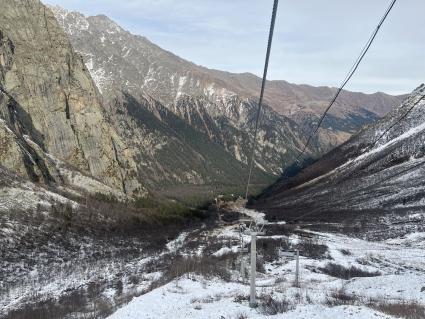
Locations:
316 41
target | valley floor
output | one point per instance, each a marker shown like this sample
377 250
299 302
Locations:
351 278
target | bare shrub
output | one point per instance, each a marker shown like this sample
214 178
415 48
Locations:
312 249
402 309
345 252
134 280
104 308
93 292
75 301
269 248
271 306
240 298
340 298
207 266
342 272
119 287
241 316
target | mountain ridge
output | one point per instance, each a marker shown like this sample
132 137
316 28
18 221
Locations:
144 66
122 62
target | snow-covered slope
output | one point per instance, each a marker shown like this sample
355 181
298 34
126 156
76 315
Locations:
379 170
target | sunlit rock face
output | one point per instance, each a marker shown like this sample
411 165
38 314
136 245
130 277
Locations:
49 104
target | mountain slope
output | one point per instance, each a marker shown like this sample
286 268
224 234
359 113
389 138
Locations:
118 59
173 153
380 169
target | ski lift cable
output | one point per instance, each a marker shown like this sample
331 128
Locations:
347 78
260 104
398 121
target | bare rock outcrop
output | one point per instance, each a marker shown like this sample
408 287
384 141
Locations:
48 99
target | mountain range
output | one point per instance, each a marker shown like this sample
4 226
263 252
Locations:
86 104
219 104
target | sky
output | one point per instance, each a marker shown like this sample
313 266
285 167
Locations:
316 41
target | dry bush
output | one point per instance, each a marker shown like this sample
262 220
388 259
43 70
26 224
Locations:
401 309
312 249
207 266
73 302
342 272
239 298
345 252
269 248
241 316
279 229
340 298
271 306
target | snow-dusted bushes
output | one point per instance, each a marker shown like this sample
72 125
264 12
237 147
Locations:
340 298
342 272
312 249
207 266
273 306
396 308
401 309
269 248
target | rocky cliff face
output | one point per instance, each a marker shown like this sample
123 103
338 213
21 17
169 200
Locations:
378 170
49 105
214 101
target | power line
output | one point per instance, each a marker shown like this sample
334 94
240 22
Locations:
398 121
347 78
263 86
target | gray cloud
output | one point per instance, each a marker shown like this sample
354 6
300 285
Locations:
316 41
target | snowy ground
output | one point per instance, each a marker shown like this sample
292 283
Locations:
186 279
399 261
198 298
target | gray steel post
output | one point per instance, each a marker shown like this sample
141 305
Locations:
252 301
297 268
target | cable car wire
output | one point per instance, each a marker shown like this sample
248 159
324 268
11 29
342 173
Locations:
347 78
260 104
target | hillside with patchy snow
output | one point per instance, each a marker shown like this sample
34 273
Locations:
380 170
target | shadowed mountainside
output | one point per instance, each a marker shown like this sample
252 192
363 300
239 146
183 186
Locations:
380 170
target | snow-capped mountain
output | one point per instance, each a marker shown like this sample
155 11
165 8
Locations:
219 104
378 170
